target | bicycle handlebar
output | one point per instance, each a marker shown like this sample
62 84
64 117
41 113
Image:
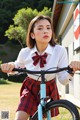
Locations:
44 71
68 69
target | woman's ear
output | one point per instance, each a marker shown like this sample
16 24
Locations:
32 35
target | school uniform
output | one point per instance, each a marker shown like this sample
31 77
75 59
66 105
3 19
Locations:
29 93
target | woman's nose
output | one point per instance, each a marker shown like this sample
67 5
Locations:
45 30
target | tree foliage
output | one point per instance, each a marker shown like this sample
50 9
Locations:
8 8
21 20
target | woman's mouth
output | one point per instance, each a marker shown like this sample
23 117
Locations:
45 36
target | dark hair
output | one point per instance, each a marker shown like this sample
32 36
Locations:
29 41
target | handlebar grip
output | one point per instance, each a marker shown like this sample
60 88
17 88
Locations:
70 70
19 69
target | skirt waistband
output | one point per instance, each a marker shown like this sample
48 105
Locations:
38 82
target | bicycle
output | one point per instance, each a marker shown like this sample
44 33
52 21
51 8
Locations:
44 107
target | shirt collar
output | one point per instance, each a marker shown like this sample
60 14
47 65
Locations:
48 50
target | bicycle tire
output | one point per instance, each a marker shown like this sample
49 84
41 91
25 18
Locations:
68 106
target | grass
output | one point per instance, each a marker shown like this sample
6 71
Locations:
9 97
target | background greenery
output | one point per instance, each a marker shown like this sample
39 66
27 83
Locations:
21 20
8 9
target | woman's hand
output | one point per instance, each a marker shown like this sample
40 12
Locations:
7 67
75 65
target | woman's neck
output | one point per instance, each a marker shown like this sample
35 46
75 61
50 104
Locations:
41 48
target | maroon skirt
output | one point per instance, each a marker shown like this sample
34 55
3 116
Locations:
30 95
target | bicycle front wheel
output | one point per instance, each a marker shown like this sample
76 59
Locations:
67 110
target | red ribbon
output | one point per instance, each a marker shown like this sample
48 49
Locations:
39 58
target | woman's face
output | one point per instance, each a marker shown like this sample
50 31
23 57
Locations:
42 31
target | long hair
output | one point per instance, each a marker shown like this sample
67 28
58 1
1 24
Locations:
29 41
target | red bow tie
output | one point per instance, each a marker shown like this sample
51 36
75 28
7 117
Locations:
39 58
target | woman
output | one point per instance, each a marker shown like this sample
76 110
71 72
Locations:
41 53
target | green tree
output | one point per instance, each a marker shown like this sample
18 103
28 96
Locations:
21 20
8 8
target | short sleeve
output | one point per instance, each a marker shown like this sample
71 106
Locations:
20 60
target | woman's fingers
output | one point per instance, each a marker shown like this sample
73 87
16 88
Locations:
75 65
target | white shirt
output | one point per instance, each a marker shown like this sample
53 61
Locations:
57 57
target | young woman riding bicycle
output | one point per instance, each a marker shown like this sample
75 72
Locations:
41 53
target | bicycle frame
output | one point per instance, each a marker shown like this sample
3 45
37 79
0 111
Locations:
42 99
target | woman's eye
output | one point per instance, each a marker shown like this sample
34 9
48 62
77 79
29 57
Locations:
49 28
39 28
